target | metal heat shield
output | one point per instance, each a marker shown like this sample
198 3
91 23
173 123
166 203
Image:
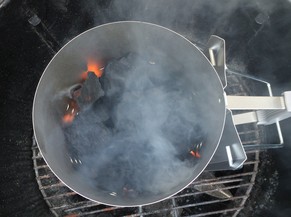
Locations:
230 154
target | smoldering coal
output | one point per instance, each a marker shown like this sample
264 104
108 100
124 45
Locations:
90 91
136 139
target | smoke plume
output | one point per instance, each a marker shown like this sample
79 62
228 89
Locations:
136 139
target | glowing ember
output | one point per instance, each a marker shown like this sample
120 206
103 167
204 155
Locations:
92 66
71 111
195 154
68 118
197 148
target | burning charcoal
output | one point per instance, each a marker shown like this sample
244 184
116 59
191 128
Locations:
113 78
102 113
85 142
75 91
136 139
114 171
125 74
87 134
71 112
90 92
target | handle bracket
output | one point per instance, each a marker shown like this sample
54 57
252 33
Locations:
215 52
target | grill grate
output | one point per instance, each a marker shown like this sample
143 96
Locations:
62 201
189 202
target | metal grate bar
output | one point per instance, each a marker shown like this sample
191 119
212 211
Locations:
43 177
208 191
252 142
189 206
218 212
37 157
34 149
216 182
211 202
251 151
61 195
175 211
226 177
248 132
251 162
140 211
82 204
256 166
41 167
107 209
52 186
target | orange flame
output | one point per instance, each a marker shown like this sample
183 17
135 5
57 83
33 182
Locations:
68 118
195 154
92 66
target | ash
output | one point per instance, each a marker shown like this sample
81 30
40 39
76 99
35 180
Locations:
135 139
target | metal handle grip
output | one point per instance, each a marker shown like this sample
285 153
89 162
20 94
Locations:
268 110
255 102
